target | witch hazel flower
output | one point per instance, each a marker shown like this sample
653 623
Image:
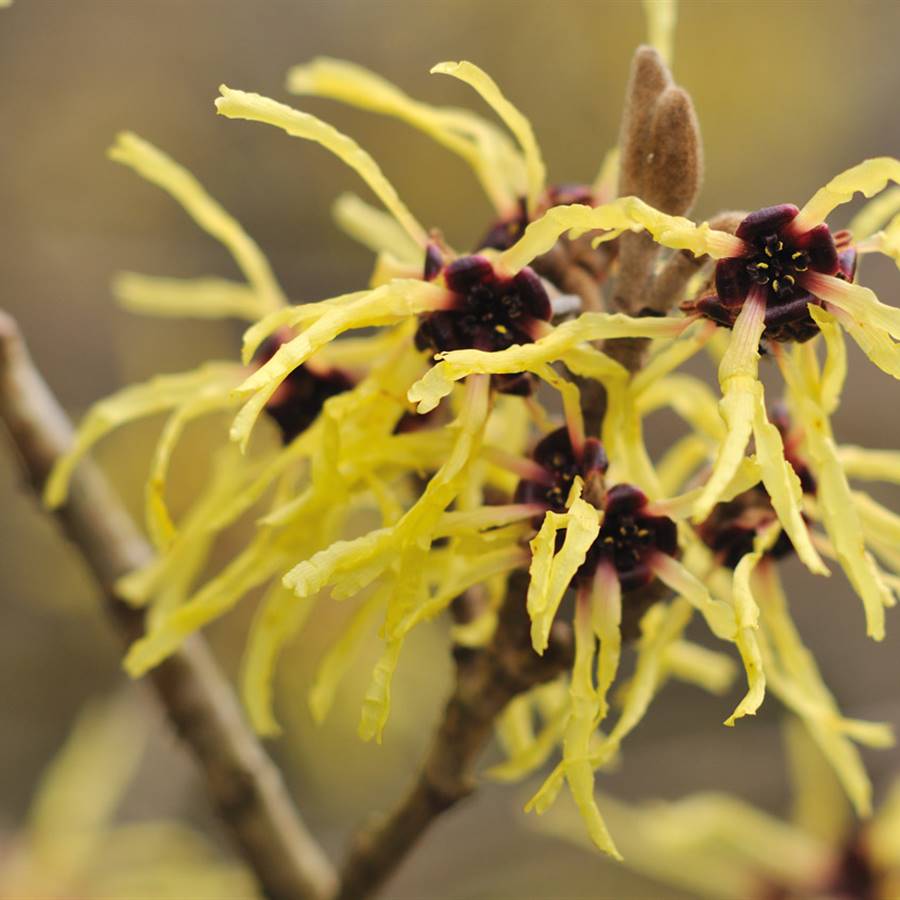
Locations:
485 311
513 178
337 443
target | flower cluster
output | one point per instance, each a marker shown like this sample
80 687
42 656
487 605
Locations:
420 462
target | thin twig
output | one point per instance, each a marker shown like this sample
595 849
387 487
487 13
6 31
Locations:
244 785
485 682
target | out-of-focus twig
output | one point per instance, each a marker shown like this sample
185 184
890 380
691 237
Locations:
486 680
244 785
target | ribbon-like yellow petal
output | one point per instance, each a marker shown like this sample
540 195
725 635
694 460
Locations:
255 108
162 170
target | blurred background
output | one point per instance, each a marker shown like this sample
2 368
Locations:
787 94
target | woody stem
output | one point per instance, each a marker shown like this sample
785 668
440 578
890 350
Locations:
244 786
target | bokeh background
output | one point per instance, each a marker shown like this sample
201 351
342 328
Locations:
788 93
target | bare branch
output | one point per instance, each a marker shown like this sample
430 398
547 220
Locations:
244 786
485 682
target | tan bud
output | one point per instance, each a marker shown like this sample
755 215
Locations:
674 162
649 78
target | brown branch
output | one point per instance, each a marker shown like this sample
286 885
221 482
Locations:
244 785
485 682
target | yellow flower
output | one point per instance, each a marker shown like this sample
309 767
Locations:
71 846
336 415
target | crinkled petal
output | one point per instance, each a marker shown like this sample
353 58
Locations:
624 214
719 617
242 105
532 757
834 371
280 616
162 170
478 142
514 120
131 403
576 743
747 614
875 214
457 364
783 487
375 229
260 561
869 177
876 343
841 519
857 301
377 702
160 526
606 618
550 580
339 657
741 392
870 465
693 663
384 306
201 298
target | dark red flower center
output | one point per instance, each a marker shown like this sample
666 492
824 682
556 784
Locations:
486 311
300 397
778 266
731 528
630 535
775 260
505 232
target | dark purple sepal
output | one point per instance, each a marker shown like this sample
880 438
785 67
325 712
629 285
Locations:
794 310
468 272
302 395
713 308
818 243
593 457
733 281
533 294
437 330
624 499
847 262
764 222
434 262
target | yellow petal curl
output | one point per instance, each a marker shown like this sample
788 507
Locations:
131 403
551 573
207 400
873 216
576 744
741 393
162 170
487 88
835 499
483 146
457 364
255 108
279 617
747 615
375 229
386 305
795 678
624 214
868 177
201 298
